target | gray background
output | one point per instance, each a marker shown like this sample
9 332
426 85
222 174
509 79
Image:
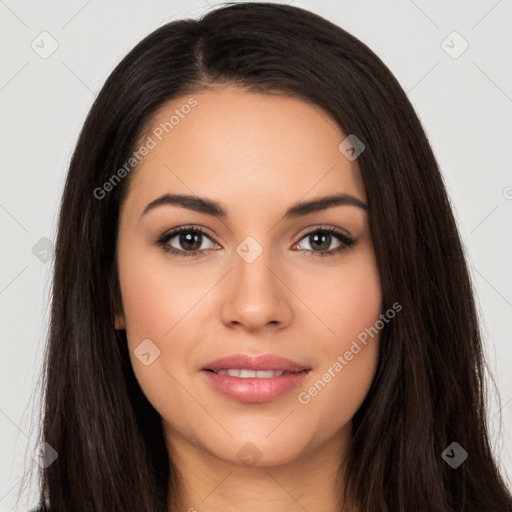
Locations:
464 103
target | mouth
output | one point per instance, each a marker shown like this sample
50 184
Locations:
246 365
243 373
256 379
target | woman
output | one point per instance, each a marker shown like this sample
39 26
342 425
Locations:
201 356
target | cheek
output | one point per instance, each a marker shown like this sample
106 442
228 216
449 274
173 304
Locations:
359 309
157 294
345 301
156 301
360 298
347 352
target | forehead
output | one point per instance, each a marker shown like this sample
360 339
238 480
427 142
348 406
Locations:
248 150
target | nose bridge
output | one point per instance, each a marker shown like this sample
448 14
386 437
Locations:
253 261
255 294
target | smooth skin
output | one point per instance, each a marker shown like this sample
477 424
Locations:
257 155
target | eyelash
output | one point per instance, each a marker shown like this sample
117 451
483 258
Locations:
347 242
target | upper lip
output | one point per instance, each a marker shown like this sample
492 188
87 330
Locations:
259 362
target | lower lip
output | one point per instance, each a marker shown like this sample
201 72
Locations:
254 390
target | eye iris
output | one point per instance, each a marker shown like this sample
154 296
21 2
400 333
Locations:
324 237
187 239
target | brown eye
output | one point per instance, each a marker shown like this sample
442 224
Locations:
189 241
321 239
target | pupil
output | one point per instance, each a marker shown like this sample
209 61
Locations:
188 239
324 237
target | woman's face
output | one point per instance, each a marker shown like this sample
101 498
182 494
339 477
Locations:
260 285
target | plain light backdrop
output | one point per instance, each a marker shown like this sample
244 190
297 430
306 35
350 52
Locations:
452 58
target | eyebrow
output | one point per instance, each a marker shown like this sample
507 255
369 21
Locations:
209 207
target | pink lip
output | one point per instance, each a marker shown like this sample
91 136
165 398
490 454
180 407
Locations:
262 362
255 390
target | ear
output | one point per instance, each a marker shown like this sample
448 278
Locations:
119 322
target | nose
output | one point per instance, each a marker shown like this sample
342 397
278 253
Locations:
256 297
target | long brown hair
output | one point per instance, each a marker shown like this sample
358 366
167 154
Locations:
429 390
